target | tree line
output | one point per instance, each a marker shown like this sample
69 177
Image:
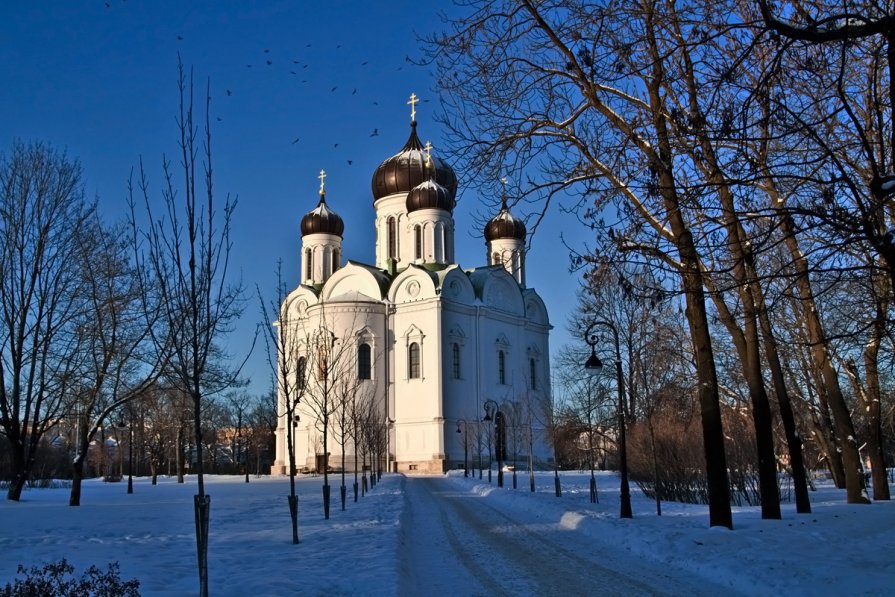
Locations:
734 161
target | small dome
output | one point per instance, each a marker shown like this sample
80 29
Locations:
429 195
322 220
407 169
504 225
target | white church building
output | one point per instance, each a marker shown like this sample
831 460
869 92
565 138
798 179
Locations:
426 343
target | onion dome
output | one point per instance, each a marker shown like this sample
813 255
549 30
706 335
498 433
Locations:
504 225
429 195
407 169
322 220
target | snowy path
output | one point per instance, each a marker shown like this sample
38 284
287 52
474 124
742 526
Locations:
455 542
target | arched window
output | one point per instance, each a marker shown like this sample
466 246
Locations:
533 374
413 360
418 242
364 362
336 259
309 264
392 238
501 367
495 259
455 353
301 373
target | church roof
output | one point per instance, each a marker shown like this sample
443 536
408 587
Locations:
409 168
322 220
504 225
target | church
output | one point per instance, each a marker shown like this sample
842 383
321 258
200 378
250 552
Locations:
435 351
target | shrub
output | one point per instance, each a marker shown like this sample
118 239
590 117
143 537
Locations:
56 579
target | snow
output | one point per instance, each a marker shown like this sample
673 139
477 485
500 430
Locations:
386 543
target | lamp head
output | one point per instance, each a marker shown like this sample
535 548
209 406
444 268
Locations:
593 362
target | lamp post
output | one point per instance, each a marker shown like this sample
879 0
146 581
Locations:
465 448
594 364
492 412
130 452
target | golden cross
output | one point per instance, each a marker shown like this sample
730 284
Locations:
428 149
321 177
414 100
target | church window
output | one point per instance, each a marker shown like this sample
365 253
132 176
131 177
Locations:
455 353
336 259
309 264
418 241
413 360
364 362
392 238
533 374
501 367
300 373
495 259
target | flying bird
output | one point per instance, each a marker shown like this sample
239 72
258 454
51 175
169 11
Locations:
350 162
292 72
354 92
297 139
179 38
219 119
229 92
375 133
335 145
269 63
266 51
365 63
333 89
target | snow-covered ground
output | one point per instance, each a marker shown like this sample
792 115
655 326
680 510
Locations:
839 549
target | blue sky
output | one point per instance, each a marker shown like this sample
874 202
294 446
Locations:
99 81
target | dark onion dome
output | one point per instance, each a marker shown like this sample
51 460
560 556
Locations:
322 220
504 225
407 169
429 195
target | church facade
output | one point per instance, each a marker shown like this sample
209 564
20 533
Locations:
414 345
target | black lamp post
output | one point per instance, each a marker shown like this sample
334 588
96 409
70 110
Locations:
130 453
492 412
594 364
465 445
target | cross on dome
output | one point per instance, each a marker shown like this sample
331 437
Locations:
322 177
428 149
414 100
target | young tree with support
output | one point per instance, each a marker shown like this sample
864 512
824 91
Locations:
184 256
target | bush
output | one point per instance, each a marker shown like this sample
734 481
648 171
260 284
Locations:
56 579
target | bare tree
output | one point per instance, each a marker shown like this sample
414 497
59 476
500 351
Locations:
43 214
184 256
116 362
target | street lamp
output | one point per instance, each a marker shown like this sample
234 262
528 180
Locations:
130 453
594 364
492 412
465 449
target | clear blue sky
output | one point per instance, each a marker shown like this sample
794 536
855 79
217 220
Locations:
99 80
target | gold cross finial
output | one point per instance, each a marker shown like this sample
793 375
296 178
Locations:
428 150
322 177
414 100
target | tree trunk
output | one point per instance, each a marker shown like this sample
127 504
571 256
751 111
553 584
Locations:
842 423
793 440
77 475
707 390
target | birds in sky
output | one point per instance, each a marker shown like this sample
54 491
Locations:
269 56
